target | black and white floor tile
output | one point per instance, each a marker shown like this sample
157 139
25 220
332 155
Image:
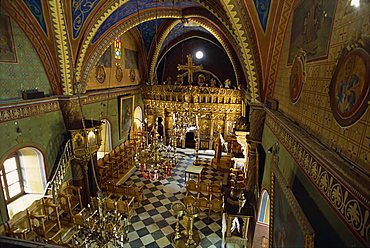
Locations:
154 222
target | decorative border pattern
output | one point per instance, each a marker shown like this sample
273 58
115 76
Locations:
37 107
28 110
81 9
56 10
285 14
352 206
244 46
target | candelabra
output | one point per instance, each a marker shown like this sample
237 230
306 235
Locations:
101 226
155 160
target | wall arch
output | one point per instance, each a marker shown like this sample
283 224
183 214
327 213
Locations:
23 179
106 136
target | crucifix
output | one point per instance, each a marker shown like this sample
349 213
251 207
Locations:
190 67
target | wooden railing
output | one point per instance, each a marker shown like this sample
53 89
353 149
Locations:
54 184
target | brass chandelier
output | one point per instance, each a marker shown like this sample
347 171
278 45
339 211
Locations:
154 159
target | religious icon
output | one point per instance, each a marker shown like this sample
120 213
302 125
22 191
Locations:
100 74
132 75
349 88
201 79
297 76
227 84
119 73
179 79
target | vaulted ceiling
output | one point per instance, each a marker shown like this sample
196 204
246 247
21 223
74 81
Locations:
70 36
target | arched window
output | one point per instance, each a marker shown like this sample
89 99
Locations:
106 136
23 179
264 209
138 119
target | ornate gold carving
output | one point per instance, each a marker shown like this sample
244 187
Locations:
27 110
351 205
244 46
60 31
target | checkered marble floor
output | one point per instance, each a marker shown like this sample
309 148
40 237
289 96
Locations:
154 222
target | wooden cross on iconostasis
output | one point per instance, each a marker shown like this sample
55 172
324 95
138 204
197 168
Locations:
190 67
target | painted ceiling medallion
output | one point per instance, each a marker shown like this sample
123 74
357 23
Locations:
119 73
297 76
132 75
100 74
349 90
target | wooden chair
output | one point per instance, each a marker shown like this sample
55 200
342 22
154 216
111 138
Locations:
203 203
216 205
190 200
68 212
21 228
74 193
203 189
42 226
191 188
215 191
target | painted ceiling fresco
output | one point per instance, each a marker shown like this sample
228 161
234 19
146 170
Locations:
80 11
134 6
147 30
179 30
35 7
263 9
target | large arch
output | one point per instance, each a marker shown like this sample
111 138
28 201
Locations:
90 53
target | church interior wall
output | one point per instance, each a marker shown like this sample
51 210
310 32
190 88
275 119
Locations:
109 110
312 111
321 216
112 74
46 132
25 72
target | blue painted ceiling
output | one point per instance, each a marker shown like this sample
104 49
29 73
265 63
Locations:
80 11
147 30
35 7
179 30
134 6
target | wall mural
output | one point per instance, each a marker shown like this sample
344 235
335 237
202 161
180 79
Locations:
131 59
297 76
349 87
80 11
126 110
7 48
311 28
290 227
263 9
106 58
35 7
